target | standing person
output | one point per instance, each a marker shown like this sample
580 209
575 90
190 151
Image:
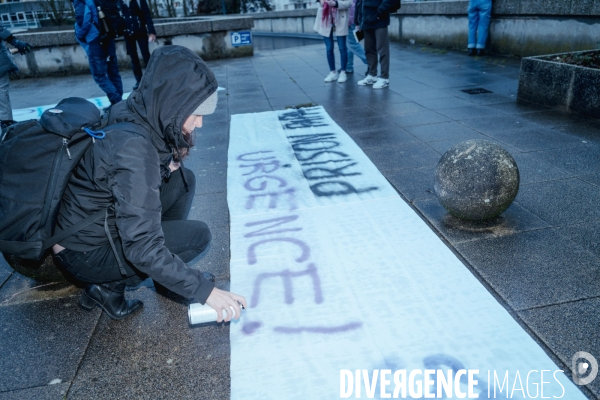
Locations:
137 176
138 29
99 46
354 48
6 67
480 12
332 16
373 18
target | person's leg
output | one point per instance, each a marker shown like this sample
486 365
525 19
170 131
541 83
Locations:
97 58
112 65
341 40
329 49
5 106
175 199
485 13
473 23
142 40
186 239
130 43
383 49
371 51
354 48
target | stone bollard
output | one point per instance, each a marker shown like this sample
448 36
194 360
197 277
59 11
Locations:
476 180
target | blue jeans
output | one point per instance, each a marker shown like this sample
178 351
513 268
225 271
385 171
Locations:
354 49
480 12
105 68
341 40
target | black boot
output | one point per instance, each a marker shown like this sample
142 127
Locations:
111 298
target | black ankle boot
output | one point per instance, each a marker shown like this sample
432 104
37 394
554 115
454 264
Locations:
111 298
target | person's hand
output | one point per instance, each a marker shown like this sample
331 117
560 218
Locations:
151 37
21 46
174 166
221 300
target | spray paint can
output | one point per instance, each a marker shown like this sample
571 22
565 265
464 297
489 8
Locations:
199 314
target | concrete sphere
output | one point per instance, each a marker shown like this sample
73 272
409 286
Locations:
476 180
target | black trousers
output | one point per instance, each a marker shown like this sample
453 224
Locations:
186 239
141 39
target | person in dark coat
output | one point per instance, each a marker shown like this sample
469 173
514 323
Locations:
138 177
6 67
373 17
139 30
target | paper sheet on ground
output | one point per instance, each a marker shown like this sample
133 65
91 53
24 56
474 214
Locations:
340 273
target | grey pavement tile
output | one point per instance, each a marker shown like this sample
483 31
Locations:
365 124
352 114
419 118
443 131
513 220
471 112
399 109
566 329
443 146
211 208
43 341
189 381
579 158
409 155
413 183
426 95
212 157
378 138
47 392
589 131
561 202
210 180
481 99
20 289
499 123
444 103
534 139
586 234
215 259
533 170
281 103
514 107
154 338
556 118
526 268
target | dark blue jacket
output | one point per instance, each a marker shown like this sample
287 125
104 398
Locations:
138 18
86 22
6 62
372 14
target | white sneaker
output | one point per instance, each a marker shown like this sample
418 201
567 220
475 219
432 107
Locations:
381 83
369 80
343 78
331 77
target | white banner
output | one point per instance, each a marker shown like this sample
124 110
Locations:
345 282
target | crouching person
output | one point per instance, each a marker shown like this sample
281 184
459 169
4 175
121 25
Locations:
135 173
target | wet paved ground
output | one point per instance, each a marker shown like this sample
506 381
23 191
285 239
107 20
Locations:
540 259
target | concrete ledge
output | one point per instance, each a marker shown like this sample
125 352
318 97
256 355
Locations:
507 7
59 53
567 87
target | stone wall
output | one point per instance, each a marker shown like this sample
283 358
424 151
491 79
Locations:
58 53
518 27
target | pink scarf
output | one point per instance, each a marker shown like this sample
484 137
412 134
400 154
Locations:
329 15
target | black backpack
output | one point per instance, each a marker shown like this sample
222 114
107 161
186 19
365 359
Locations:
113 17
37 159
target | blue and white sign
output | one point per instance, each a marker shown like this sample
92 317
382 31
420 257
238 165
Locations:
243 38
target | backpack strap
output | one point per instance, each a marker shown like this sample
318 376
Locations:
62 235
113 247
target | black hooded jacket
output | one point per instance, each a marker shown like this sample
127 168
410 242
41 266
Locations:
123 172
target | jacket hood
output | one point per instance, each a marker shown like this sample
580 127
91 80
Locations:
175 83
